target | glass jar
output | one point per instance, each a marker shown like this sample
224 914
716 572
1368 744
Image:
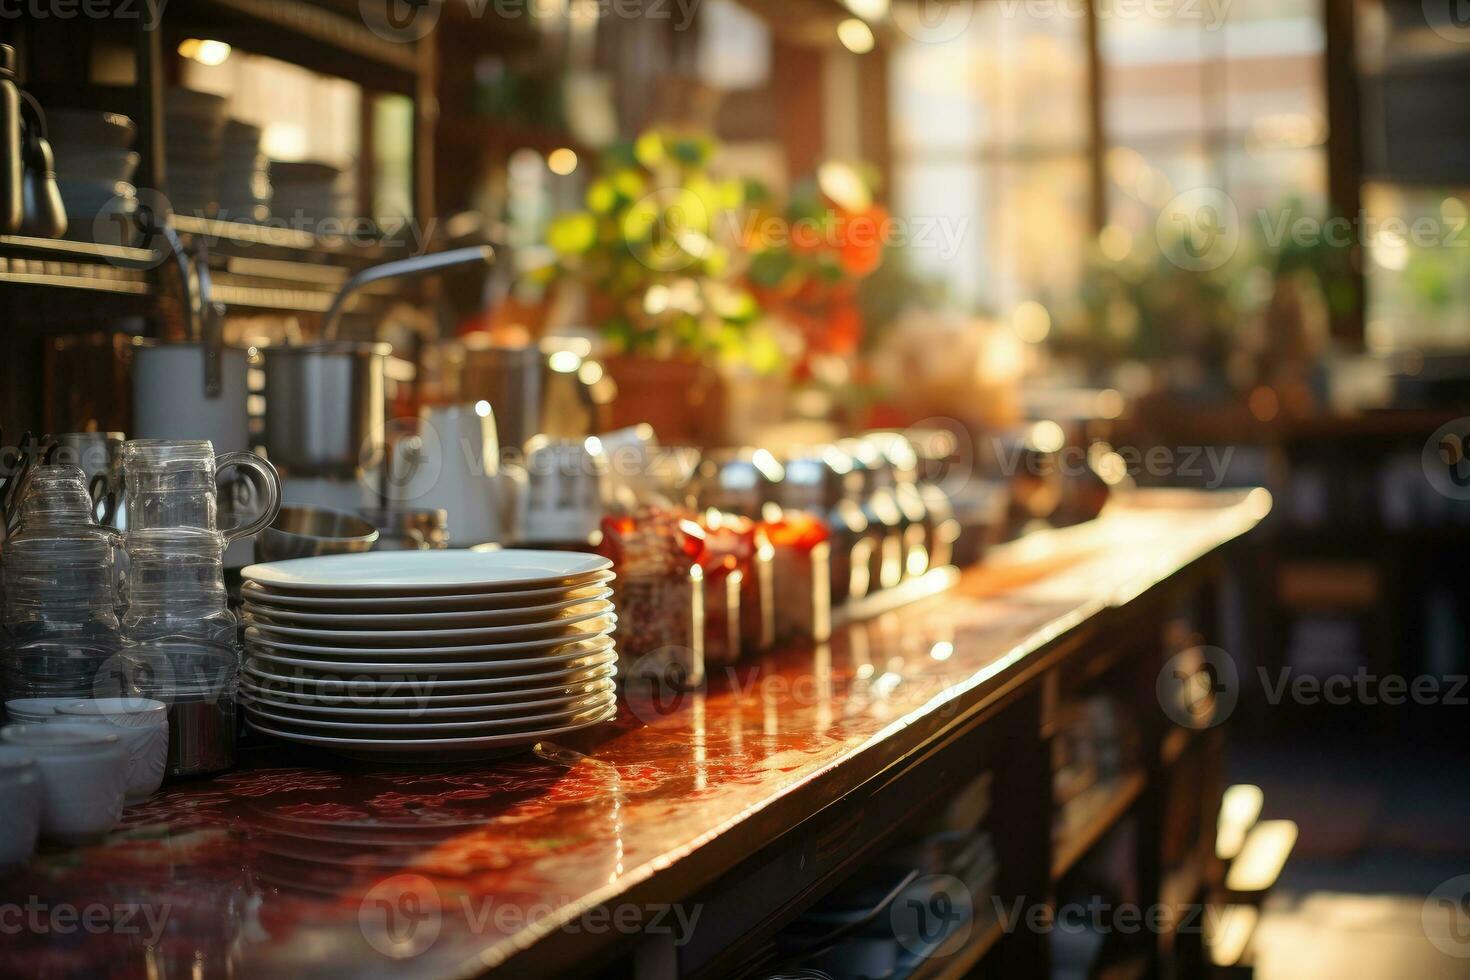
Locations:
60 668
56 496
822 482
61 583
176 586
736 548
174 483
801 575
659 593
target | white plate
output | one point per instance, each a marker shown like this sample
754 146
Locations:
440 691
420 573
565 622
352 645
418 668
370 728
588 588
552 612
430 748
426 708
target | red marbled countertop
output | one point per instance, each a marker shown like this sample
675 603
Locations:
290 864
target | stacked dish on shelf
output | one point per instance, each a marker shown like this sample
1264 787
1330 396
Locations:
309 192
194 124
244 174
95 163
431 654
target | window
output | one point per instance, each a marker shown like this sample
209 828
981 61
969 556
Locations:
991 127
990 134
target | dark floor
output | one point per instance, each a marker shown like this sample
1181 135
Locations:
1384 823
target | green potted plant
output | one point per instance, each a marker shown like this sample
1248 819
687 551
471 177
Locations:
657 253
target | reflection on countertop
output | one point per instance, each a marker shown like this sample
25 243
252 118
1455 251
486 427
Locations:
304 864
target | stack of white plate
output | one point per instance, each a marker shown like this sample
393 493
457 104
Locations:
429 654
194 127
310 192
244 176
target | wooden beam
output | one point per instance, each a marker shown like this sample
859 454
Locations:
1344 147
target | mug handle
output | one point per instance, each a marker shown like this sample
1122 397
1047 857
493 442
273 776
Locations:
265 478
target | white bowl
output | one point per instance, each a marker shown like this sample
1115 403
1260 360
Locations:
84 773
33 710
20 805
142 724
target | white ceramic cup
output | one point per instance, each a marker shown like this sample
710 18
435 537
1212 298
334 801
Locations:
20 805
142 724
33 711
84 775
566 492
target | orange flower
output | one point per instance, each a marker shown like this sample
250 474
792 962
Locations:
862 235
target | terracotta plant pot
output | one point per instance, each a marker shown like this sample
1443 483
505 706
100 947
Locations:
684 401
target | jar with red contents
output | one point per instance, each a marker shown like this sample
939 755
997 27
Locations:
659 594
739 586
801 550
823 483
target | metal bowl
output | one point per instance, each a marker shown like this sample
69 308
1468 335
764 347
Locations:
409 529
305 532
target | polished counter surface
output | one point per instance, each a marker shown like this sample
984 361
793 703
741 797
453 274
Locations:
302 864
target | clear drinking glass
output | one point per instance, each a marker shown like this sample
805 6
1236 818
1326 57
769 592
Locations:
174 483
57 668
61 583
176 586
56 496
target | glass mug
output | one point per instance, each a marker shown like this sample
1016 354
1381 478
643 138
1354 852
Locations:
174 483
176 586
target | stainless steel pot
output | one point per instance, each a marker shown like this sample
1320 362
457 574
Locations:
325 407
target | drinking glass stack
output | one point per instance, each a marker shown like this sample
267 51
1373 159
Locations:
61 599
171 636
178 621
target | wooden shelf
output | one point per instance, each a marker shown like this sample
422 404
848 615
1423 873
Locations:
59 264
62 250
232 236
1074 847
326 37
